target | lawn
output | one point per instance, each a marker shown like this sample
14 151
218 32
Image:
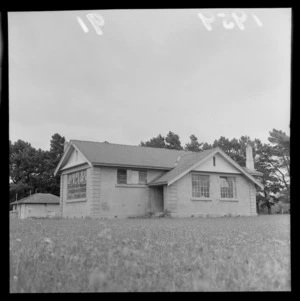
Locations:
150 255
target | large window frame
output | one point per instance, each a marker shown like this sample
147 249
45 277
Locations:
126 176
228 187
76 185
200 186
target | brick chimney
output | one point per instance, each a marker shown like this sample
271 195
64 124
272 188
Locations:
249 157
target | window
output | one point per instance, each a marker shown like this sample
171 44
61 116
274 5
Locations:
228 188
142 177
77 185
200 186
214 159
128 176
122 176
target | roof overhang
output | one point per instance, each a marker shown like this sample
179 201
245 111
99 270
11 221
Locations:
132 166
158 184
66 154
36 203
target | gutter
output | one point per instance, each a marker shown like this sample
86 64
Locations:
133 166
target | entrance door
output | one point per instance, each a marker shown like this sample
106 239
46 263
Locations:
157 199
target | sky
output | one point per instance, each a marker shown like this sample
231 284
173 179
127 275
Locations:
148 72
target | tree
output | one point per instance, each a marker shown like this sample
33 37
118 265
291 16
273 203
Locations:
206 146
266 163
280 159
173 141
193 145
19 190
57 147
32 169
22 161
52 158
158 142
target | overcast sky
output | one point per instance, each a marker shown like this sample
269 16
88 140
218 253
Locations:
150 72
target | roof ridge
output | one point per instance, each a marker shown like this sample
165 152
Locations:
168 149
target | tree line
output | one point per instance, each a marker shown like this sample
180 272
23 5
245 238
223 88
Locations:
32 170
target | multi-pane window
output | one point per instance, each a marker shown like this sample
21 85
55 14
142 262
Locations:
200 186
142 177
128 176
228 188
122 176
77 185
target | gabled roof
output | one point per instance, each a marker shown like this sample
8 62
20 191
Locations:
185 161
176 162
110 154
38 198
190 161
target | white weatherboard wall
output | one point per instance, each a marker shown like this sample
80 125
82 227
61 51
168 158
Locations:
37 210
41 210
222 165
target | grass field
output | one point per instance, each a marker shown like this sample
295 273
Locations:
150 255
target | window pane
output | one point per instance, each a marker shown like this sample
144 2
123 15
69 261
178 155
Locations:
227 187
200 186
122 176
76 185
142 177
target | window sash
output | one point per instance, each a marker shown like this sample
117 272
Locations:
228 188
200 186
142 177
131 177
122 176
76 187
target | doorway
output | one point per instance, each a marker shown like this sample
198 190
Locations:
157 198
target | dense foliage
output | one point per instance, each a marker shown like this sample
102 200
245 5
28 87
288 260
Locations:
32 170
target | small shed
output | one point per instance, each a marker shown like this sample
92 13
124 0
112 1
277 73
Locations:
37 205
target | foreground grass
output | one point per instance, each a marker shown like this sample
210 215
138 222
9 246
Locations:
196 254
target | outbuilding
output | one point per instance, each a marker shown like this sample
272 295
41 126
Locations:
37 205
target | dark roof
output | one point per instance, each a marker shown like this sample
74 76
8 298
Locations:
186 161
175 162
128 155
38 198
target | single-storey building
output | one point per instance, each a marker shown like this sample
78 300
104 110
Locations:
37 205
112 180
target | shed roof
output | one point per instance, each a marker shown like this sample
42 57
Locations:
38 198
